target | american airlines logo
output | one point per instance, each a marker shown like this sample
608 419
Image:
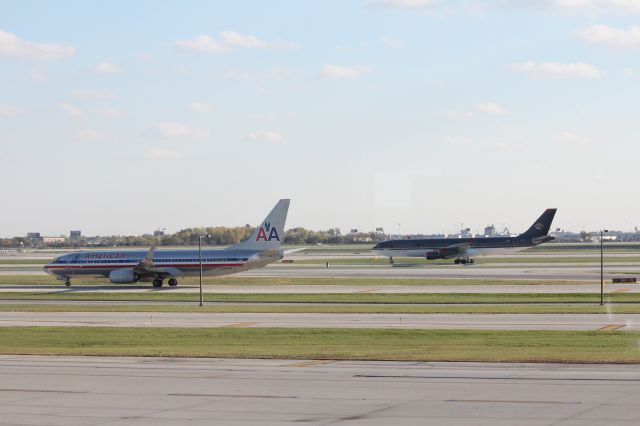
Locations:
105 256
267 229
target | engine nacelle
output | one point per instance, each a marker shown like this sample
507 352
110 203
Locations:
442 253
123 276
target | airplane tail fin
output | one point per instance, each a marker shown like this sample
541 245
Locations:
540 227
270 233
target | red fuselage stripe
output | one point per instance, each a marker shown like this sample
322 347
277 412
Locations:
131 265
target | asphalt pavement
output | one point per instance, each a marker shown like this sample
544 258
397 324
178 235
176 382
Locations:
69 391
609 322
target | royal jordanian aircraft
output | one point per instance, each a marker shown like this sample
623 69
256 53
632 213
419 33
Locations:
126 267
463 248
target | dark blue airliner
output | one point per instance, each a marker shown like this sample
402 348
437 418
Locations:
461 249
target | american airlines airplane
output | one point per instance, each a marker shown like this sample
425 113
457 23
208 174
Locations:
126 267
463 248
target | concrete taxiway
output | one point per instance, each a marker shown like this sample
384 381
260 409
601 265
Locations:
622 322
52 391
508 271
522 272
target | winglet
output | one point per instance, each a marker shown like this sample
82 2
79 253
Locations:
152 249
148 258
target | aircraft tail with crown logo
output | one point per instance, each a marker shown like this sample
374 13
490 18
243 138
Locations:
540 227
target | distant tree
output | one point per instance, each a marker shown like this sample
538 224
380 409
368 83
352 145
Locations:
218 235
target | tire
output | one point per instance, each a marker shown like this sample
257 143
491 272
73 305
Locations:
157 283
173 282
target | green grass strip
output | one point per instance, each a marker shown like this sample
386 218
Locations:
22 261
384 298
343 344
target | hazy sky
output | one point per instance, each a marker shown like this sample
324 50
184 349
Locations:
122 117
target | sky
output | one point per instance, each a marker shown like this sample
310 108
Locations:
418 116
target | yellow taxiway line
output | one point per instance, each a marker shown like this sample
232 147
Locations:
611 327
239 324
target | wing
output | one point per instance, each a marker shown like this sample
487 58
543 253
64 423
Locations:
449 251
146 267
462 247
147 262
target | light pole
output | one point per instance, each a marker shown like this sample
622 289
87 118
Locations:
602 231
200 237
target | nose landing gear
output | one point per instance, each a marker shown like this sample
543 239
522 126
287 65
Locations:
67 280
463 260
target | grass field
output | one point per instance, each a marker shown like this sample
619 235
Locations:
333 344
559 308
21 261
381 298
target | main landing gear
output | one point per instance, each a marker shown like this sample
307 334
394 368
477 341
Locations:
391 261
463 260
158 282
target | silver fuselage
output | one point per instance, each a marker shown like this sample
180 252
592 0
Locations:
179 262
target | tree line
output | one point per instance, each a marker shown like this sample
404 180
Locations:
219 236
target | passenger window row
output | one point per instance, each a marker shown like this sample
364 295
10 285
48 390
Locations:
228 259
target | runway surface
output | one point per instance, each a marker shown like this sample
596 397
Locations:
52 391
621 322
523 272
327 289
504 271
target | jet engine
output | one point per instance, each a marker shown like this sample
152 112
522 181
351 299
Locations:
123 276
442 253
